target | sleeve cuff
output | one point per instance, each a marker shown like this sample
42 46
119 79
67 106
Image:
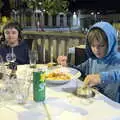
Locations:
104 77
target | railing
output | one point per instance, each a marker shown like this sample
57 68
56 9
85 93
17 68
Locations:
53 44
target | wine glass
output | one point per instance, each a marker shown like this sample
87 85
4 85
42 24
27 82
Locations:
70 55
2 94
11 57
33 57
2 67
51 55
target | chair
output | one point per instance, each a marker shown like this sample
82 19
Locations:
80 54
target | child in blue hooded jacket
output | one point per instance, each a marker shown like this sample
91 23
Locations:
103 62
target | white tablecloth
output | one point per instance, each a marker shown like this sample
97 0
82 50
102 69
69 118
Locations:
62 104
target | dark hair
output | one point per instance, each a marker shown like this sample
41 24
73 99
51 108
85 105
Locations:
15 25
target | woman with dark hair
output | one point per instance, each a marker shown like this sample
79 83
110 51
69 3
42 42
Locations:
12 36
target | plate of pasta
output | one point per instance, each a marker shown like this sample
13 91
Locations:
62 75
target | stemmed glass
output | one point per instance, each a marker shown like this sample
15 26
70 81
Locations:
6 89
3 88
1 67
70 55
44 59
2 94
33 58
11 57
51 55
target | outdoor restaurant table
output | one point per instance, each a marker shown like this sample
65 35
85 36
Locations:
61 104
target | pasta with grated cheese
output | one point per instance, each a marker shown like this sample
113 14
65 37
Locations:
58 76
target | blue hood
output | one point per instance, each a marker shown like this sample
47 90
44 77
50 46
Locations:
112 40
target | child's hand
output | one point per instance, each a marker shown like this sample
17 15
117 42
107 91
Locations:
92 79
62 60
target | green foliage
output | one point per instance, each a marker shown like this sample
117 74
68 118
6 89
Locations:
51 7
1 4
12 3
54 6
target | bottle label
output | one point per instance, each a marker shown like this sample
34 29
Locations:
41 86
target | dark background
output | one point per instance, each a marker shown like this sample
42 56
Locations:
112 6
104 6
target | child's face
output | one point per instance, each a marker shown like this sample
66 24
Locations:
99 49
11 35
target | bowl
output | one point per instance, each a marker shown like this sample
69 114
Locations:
85 92
70 74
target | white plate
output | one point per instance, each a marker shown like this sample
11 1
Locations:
74 72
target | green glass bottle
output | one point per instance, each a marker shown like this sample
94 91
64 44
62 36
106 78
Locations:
38 86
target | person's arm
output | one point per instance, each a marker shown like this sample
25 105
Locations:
83 68
103 77
110 77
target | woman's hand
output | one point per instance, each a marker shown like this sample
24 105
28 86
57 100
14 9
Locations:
62 60
92 79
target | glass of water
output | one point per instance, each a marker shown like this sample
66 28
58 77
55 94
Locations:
23 86
33 57
2 67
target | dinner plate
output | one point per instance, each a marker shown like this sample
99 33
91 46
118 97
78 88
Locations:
74 73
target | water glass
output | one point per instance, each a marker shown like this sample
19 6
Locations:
11 57
22 87
2 68
71 55
6 90
33 57
22 92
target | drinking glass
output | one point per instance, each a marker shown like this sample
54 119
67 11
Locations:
11 57
22 92
71 55
6 90
33 57
2 67
51 55
2 94
23 86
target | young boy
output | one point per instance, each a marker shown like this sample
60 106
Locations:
101 47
